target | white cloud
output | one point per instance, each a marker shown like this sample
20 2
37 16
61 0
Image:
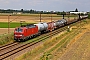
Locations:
4 3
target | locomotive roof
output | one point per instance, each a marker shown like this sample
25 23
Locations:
62 20
27 26
31 26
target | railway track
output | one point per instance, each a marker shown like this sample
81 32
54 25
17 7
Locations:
8 45
5 52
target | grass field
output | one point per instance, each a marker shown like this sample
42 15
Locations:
37 15
29 18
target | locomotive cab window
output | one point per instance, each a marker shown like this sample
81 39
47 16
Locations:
18 30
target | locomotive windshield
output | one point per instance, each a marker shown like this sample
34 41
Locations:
18 30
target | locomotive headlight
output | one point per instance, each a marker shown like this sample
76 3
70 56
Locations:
15 35
18 35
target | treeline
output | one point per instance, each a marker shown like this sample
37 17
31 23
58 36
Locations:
31 11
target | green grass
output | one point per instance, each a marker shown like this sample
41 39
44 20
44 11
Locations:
12 25
5 25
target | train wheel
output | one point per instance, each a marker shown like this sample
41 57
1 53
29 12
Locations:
23 39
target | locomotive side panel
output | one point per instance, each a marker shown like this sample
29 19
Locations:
26 32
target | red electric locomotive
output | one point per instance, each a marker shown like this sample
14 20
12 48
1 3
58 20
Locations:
25 32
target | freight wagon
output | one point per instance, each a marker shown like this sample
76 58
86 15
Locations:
24 32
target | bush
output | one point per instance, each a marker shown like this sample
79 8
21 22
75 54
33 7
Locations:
88 16
4 39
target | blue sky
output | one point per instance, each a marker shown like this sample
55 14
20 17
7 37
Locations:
46 5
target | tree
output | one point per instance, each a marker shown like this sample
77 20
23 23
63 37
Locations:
32 11
63 13
76 10
21 10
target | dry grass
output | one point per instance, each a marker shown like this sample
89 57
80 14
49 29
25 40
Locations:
30 18
40 51
5 30
78 49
